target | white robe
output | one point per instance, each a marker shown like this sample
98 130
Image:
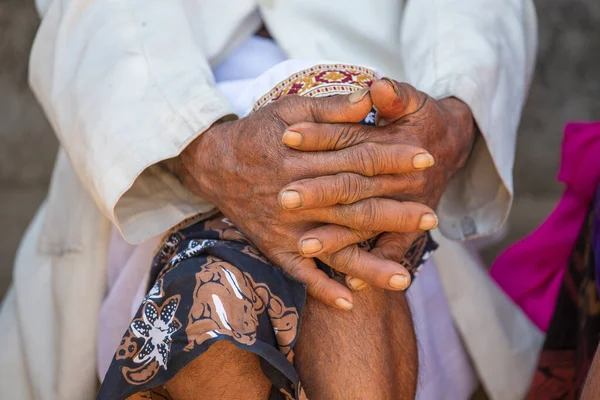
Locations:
127 84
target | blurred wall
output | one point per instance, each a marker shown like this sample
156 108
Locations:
566 87
27 144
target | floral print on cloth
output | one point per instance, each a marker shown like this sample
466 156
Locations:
154 330
209 283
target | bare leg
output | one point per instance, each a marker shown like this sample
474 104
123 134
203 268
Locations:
368 353
223 372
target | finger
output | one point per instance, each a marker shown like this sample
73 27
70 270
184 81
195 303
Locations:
377 214
346 188
395 100
329 239
393 246
318 284
390 246
353 107
356 284
370 159
369 268
312 136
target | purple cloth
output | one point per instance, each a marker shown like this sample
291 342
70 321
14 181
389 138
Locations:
596 240
531 271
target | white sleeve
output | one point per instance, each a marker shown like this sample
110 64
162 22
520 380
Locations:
125 86
482 52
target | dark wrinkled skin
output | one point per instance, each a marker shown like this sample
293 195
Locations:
445 128
241 166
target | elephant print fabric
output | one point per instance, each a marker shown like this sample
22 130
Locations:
209 283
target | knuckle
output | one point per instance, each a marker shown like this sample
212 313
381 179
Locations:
297 269
366 159
410 95
340 240
405 87
293 270
338 261
393 252
345 259
369 214
323 107
286 263
317 289
402 220
342 137
397 247
401 241
320 195
350 135
315 193
391 161
405 91
283 106
350 188
397 253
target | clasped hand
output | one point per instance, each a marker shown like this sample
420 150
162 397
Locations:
302 180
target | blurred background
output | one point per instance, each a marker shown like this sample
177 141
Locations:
566 87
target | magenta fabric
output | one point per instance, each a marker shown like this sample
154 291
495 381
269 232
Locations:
531 271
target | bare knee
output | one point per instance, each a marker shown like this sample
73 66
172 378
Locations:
223 371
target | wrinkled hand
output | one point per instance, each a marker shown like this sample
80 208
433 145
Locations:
405 116
241 166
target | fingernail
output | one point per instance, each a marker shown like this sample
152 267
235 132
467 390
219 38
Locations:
356 284
357 96
343 304
428 222
291 199
292 139
311 246
392 83
399 281
423 160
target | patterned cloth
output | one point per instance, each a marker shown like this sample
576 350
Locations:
210 283
572 336
320 81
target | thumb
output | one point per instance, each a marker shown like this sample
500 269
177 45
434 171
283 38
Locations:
395 100
350 108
